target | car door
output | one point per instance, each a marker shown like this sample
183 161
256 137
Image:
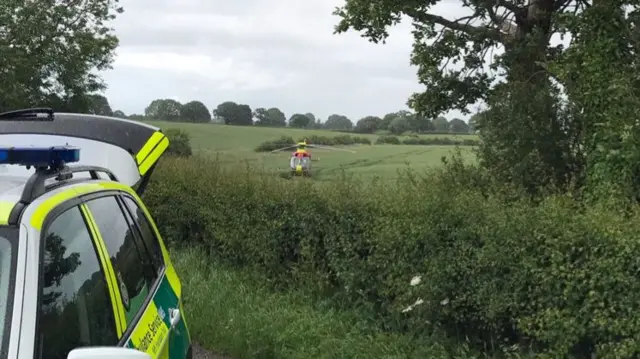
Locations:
150 308
180 340
76 306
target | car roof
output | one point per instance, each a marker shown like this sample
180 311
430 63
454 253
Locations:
11 187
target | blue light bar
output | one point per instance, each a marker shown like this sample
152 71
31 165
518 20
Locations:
39 156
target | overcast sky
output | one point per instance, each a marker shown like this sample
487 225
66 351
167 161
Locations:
265 53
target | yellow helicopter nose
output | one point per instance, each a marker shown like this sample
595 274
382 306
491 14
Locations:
298 168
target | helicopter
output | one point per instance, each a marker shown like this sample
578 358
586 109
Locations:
300 161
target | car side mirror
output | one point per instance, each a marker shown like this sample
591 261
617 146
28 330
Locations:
107 353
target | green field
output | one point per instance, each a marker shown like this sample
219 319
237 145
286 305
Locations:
234 145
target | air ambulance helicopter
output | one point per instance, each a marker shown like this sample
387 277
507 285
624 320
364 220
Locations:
300 161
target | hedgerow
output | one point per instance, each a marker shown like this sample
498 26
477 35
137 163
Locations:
426 141
285 141
504 275
179 142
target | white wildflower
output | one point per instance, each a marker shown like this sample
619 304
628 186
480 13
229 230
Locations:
415 281
410 308
445 301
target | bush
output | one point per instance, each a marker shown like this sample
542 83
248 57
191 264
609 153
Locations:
341 140
268 146
388 140
439 141
502 275
179 142
425 141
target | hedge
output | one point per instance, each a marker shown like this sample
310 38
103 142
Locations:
285 141
426 141
555 278
179 142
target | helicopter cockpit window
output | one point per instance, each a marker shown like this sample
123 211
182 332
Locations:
304 162
294 161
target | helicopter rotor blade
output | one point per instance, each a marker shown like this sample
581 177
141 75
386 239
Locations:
331 148
283 148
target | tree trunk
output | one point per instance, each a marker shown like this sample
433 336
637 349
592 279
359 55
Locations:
527 119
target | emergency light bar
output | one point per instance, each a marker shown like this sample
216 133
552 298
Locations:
39 156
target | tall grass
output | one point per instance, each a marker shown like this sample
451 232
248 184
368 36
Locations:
236 312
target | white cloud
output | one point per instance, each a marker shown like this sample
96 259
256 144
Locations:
260 52
226 73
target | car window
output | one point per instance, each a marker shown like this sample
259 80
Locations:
127 254
75 309
6 271
151 243
8 252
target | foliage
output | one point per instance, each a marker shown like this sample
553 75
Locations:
273 145
287 325
441 124
338 122
232 113
457 125
164 110
433 141
388 139
599 74
179 142
508 275
399 125
285 141
99 105
299 120
367 124
51 50
269 117
522 30
336 140
531 136
311 117
195 111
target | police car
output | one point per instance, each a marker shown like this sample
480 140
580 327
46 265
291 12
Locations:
84 273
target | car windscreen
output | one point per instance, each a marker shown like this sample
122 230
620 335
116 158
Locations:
8 259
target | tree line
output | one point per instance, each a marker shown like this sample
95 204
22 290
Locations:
232 113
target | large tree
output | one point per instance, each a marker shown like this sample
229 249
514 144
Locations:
441 124
367 124
164 110
338 122
299 120
523 30
99 105
51 52
525 138
269 117
232 113
458 126
195 111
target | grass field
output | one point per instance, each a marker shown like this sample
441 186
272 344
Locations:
234 145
